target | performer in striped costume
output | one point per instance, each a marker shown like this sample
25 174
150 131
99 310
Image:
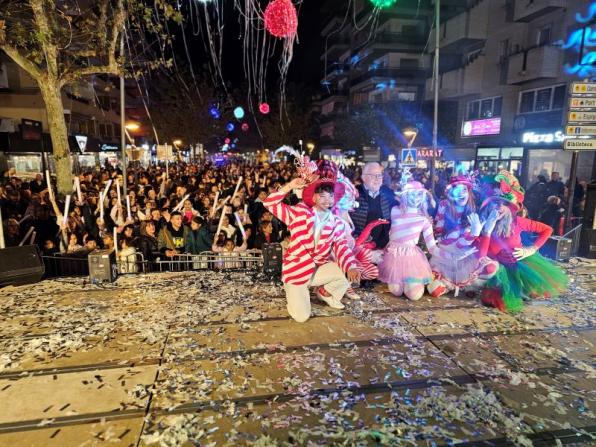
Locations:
405 267
317 237
464 261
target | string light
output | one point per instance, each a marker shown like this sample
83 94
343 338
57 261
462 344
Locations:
239 113
245 127
281 19
230 127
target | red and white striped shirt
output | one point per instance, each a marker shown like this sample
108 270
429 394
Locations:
302 257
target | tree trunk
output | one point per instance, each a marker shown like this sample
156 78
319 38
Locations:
52 97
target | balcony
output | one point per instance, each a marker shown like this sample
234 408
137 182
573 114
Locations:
336 71
383 74
526 11
463 29
466 80
383 42
336 45
535 63
333 95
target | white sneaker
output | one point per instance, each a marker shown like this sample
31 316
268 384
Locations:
351 293
331 301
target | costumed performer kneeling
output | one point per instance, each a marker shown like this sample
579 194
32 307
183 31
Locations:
523 274
316 235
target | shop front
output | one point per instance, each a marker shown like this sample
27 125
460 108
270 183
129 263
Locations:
25 158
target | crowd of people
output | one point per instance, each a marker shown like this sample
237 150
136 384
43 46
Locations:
379 216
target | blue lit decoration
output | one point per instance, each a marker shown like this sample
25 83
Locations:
214 112
230 127
239 113
582 40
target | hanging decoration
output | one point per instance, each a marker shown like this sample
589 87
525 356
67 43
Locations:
230 127
382 4
281 19
227 141
245 127
264 108
214 112
239 113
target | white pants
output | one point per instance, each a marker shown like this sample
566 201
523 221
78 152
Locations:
328 275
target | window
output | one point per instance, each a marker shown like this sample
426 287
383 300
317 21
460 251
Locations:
542 99
543 36
504 48
102 129
485 108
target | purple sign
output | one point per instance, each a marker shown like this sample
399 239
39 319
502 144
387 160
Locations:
490 126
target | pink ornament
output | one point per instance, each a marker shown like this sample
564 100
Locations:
281 19
227 141
245 127
264 108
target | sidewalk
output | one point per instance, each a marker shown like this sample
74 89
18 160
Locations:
212 359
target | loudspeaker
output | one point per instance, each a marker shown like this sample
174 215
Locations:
587 244
20 265
272 258
557 248
102 266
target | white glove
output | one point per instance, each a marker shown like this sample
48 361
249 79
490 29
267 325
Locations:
490 222
475 224
524 252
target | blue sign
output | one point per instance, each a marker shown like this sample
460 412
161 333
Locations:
408 157
582 42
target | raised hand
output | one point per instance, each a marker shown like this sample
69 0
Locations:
490 222
475 224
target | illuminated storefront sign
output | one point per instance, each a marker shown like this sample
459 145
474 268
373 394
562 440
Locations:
109 147
476 128
537 138
428 153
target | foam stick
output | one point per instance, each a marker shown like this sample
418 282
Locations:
105 191
118 190
245 208
33 237
128 215
66 207
78 187
26 236
116 240
215 202
2 230
101 198
181 203
240 225
49 181
220 223
237 187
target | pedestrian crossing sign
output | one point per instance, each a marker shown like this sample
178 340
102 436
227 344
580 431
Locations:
408 157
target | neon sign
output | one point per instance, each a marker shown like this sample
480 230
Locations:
537 138
582 40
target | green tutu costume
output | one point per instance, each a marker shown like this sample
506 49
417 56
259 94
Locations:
531 278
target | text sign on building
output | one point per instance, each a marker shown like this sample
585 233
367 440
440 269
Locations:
580 144
428 153
476 128
581 117
537 138
583 88
581 130
582 103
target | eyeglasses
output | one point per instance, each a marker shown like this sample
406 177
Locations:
375 176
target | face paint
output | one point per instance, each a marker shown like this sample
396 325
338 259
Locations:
414 199
459 195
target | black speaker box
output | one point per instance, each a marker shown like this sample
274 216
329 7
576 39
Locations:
20 265
102 266
587 245
272 258
557 248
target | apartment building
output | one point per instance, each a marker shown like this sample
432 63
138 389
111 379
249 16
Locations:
92 113
506 65
385 66
505 71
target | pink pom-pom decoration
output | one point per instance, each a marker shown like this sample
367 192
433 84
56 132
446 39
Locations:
281 19
264 108
245 127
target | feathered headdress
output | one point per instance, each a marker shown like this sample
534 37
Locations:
306 168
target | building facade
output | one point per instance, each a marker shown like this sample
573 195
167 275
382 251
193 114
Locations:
506 67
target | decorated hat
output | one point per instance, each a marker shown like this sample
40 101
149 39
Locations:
328 173
506 187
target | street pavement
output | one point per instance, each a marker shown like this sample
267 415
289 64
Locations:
212 359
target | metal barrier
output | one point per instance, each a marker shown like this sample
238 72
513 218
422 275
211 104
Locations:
575 235
67 265
60 264
246 260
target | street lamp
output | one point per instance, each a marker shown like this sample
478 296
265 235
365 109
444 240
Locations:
310 147
177 143
132 126
411 133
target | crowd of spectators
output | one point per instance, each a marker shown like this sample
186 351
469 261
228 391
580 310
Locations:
193 208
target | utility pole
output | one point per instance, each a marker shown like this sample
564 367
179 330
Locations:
436 88
122 117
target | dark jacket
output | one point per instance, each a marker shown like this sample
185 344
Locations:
260 240
147 245
170 239
551 216
198 241
360 216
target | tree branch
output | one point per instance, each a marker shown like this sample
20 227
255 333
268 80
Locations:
47 36
22 61
74 76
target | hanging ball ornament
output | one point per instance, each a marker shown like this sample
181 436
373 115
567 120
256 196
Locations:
239 113
230 127
214 112
281 19
381 4
227 141
244 127
264 108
